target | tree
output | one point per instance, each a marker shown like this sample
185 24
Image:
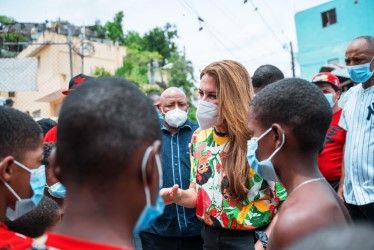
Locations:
100 71
162 41
181 73
114 28
135 65
100 30
133 40
4 20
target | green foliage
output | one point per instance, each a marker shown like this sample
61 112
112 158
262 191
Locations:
100 30
181 73
6 20
161 40
12 37
151 88
135 67
112 29
192 113
133 40
100 71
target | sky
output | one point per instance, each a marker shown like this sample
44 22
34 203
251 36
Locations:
255 33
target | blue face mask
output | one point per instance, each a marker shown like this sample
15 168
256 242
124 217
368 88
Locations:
263 168
360 73
57 190
330 99
37 184
160 117
150 212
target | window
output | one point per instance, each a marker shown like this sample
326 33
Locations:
328 17
12 94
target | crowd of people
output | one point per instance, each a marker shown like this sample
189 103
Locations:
273 163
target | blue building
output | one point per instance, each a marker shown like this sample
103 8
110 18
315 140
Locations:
324 32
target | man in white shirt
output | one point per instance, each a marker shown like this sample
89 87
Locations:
358 120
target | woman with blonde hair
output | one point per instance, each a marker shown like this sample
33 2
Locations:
229 197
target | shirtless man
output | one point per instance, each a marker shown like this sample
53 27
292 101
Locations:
289 120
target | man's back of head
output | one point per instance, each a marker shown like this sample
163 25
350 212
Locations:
100 126
265 75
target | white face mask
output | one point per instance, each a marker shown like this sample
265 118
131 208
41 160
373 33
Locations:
176 118
206 114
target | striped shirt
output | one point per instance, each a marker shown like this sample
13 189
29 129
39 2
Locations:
358 120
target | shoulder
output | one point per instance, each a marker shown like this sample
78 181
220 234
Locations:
200 135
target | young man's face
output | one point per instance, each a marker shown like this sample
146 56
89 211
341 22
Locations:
327 88
21 178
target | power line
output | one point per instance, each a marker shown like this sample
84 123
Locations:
204 24
266 23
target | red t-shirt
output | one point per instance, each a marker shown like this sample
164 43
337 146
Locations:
62 242
12 240
331 158
51 135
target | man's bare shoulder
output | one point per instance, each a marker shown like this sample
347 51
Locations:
303 214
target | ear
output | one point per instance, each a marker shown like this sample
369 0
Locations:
161 108
152 172
6 169
338 94
278 133
52 163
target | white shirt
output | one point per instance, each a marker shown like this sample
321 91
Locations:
358 120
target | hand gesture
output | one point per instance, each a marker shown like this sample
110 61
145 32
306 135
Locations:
171 195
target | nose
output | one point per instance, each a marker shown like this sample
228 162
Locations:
204 97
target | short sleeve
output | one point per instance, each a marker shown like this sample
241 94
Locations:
343 120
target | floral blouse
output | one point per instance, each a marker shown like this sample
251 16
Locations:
214 205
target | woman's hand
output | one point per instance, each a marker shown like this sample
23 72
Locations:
171 195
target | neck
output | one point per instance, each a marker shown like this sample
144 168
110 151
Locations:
171 129
303 168
91 216
336 108
221 129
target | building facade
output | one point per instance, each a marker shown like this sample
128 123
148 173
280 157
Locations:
55 68
324 32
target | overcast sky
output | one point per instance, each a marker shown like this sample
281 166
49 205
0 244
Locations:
231 29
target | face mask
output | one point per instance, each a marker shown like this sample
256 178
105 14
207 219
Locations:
57 190
360 73
150 212
176 118
37 184
160 117
206 114
263 168
330 99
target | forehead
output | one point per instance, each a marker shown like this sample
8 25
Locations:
358 47
207 83
324 85
173 96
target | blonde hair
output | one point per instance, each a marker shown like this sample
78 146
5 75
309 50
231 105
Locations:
234 94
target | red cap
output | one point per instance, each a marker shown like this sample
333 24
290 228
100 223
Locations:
75 82
326 77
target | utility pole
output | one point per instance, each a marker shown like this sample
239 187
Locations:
292 60
82 37
70 51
